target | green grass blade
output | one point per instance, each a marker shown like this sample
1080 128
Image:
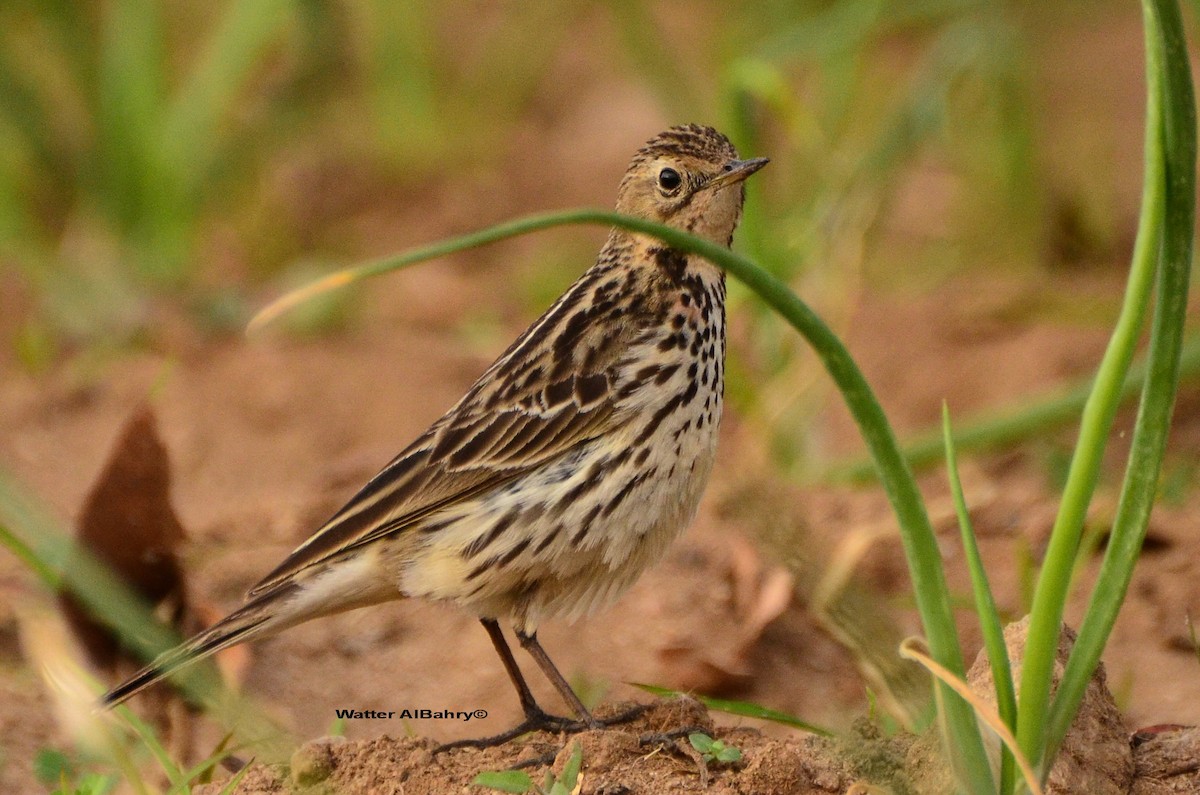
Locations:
504 780
963 740
131 87
201 771
401 60
61 564
1029 420
27 529
28 116
148 737
24 553
191 139
70 32
1054 580
985 608
1171 136
571 769
232 784
743 708
190 131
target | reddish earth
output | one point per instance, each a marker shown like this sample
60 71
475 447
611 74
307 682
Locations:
266 436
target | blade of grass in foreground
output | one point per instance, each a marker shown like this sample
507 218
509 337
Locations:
985 608
28 530
1031 419
1171 142
742 708
960 731
1150 436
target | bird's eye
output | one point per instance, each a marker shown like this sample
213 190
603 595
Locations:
669 179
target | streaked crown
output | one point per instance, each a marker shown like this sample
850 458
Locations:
689 177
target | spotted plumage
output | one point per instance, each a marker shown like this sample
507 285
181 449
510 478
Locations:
572 462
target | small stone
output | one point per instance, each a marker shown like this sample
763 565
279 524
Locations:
312 762
1095 756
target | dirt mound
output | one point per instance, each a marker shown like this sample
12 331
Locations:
654 754
649 754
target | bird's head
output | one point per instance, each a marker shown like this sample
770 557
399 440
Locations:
689 177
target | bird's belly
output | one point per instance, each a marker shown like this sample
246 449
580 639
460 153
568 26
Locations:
566 539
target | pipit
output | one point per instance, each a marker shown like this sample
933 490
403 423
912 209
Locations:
566 469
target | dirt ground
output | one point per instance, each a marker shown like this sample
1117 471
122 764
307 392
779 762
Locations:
267 436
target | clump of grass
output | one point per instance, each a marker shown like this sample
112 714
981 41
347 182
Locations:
118 126
129 135
84 773
55 768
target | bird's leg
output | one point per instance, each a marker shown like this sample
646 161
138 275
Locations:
533 712
529 643
536 719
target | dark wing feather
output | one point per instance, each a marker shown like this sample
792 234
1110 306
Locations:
424 479
509 423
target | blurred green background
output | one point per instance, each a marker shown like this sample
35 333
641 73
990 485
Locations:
185 160
167 167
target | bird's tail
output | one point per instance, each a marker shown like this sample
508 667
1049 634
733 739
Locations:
260 616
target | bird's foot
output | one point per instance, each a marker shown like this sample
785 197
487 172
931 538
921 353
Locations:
625 716
535 721
668 738
538 721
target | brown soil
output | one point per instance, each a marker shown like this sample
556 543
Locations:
651 754
267 436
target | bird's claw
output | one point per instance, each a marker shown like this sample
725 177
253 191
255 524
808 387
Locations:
538 721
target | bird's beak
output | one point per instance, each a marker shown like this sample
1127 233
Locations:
736 171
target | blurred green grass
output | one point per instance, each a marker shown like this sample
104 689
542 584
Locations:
164 153
136 134
149 152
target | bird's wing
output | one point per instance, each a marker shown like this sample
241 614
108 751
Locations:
539 401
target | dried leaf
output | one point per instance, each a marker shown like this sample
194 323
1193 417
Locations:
129 524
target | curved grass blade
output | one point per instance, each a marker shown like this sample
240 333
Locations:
921 550
1167 174
985 607
1171 142
982 709
743 708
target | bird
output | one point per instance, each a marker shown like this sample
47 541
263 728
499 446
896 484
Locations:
567 468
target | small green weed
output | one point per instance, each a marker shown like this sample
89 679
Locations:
714 752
